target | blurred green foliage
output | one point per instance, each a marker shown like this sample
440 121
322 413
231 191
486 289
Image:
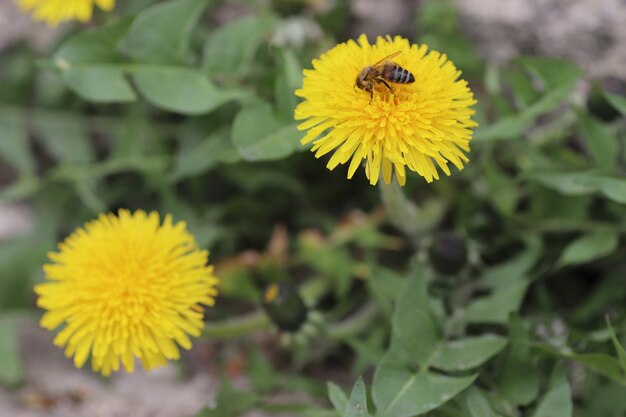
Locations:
162 107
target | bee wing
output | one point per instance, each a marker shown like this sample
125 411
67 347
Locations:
387 58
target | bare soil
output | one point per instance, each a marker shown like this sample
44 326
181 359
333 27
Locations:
53 387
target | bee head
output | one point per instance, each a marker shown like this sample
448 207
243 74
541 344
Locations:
361 79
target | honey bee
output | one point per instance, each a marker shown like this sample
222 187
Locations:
384 72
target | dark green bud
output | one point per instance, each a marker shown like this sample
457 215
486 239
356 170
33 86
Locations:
284 306
448 253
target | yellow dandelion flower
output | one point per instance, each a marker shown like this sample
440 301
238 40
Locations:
126 286
418 125
56 11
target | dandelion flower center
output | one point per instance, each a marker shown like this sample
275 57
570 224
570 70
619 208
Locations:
56 11
420 126
126 286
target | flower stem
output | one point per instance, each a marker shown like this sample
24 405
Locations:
353 324
236 327
411 219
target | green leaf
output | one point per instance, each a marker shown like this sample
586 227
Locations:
14 144
357 403
337 397
333 262
21 257
464 354
608 291
439 17
85 64
504 197
10 360
287 81
559 79
568 183
600 141
20 189
518 382
558 400
99 84
599 363
552 72
522 87
384 285
160 33
515 269
231 48
368 349
403 385
590 247
513 126
617 101
508 283
621 352
182 90
76 173
607 400
495 308
613 188
414 329
477 403
94 46
64 138
259 136
261 372
91 65
200 156
400 392
582 183
508 127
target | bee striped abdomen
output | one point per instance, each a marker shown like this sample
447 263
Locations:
400 75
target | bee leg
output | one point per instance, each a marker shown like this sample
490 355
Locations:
386 85
371 87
